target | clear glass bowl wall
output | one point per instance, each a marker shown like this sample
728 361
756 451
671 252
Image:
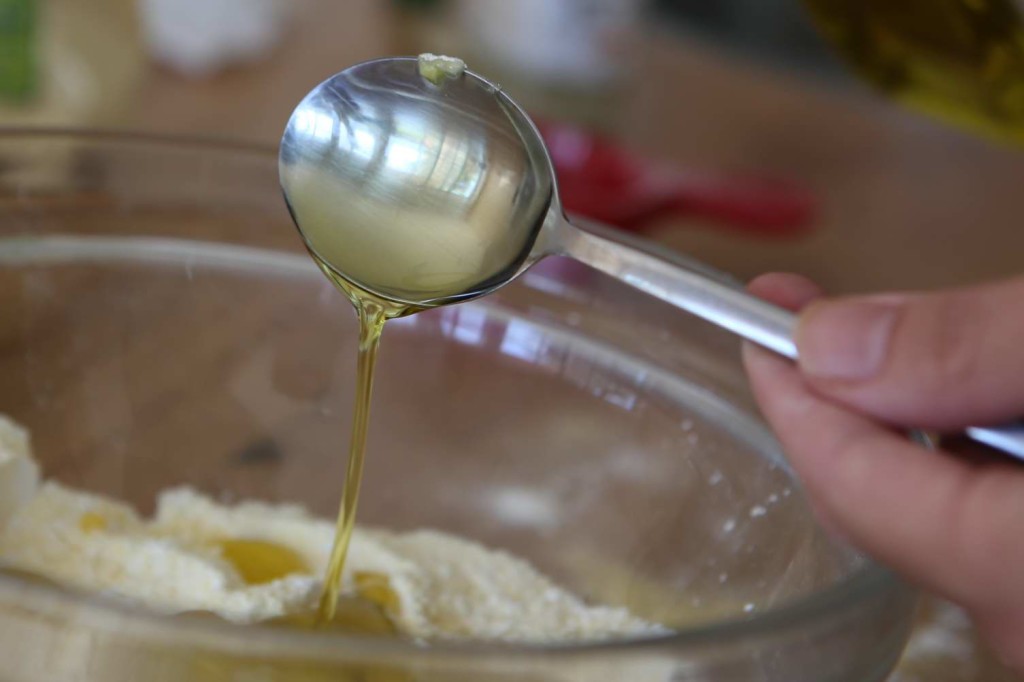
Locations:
162 325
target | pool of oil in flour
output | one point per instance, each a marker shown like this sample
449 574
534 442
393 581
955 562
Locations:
259 562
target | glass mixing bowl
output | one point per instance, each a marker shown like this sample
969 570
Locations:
161 325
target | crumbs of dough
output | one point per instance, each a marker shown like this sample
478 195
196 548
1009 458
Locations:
436 68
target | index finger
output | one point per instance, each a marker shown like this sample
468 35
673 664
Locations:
944 523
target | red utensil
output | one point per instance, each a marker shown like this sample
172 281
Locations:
599 180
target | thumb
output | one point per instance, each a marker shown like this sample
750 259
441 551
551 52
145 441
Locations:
936 360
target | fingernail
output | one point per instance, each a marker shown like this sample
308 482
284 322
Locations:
845 339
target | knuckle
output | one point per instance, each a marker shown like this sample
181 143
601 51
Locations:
945 346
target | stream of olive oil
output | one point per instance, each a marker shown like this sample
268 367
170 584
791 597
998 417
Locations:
371 323
372 312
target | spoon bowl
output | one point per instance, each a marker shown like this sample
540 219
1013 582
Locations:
424 191
419 193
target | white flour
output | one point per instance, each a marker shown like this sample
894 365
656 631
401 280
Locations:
430 584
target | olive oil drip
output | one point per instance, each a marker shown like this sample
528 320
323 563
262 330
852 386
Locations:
372 312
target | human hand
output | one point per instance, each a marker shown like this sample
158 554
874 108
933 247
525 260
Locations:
873 365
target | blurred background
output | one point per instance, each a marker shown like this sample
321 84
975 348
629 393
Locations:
768 154
725 129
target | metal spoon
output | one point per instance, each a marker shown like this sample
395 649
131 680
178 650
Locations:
427 193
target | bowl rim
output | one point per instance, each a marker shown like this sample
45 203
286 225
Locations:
868 581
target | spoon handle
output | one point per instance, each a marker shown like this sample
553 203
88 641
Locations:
712 296
682 282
